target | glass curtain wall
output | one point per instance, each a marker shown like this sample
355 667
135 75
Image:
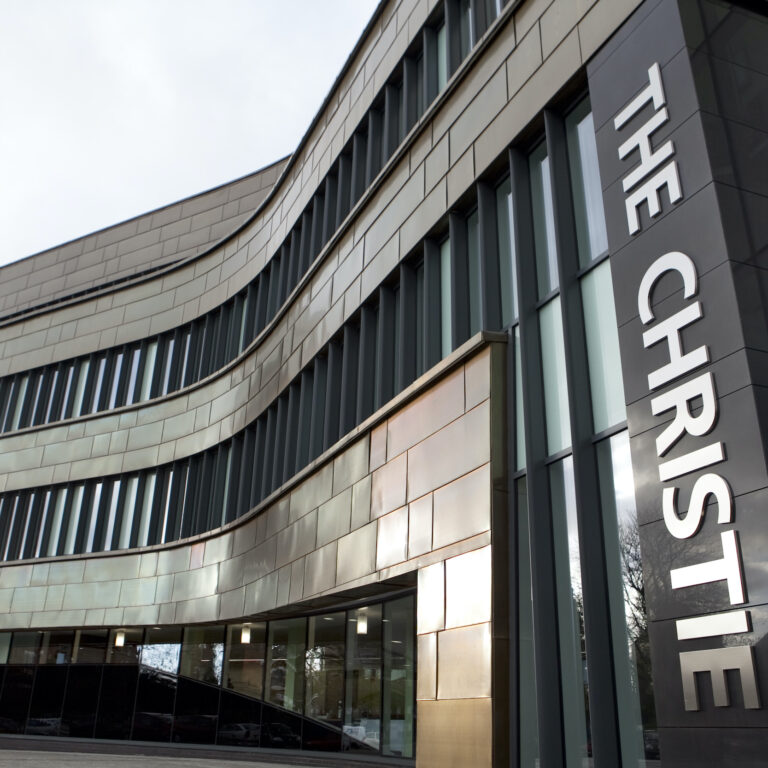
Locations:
342 680
362 714
556 213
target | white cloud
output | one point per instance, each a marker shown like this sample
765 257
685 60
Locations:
113 108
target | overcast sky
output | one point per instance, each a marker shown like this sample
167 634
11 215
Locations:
110 108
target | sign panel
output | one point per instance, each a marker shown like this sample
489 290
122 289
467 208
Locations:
694 412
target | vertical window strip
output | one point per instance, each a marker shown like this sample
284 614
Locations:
8 405
11 526
48 411
168 363
77 408
586 190
506 249
543 221
519 411
135 359
115 380
67 389
129 509
149 367
473 263
61 500
570 611
22 391
74 519
98 385
40 542
603 357
146 509
556 404
26 515
446 311
93 514
112 514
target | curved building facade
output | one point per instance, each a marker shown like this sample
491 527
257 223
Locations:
439 442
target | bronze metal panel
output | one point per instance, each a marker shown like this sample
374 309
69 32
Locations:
454 734
430 612
462 508
426 677
464 662
468 588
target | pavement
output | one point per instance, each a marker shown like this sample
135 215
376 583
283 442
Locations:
17 758
16 752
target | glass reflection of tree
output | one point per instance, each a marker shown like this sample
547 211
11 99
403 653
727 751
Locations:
324 677
162 656
637 617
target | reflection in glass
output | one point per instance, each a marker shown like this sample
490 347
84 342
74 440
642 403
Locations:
115 380
149 369
285 663
239 720
398 680
25 647
162 648
112 513
14 701
67 387
78 716
507 268
46 510
202 654
168 365
90 646
92 510
244 658
585 184
97 386
116 702
324 668
74 519
626 593
442 58
129 506
20 402
605 380
475 291
146 508
61 500
77 407
570 612
153 718
56 647
51 397
5 646
553 371
133 375
519 415
543 221
467 33
44 716
445 298
196 712
362 716
529 734
125 649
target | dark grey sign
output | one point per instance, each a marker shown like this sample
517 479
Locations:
695 415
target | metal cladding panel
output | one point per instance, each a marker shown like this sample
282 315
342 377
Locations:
695 410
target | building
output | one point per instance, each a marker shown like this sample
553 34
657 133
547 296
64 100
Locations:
442 440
